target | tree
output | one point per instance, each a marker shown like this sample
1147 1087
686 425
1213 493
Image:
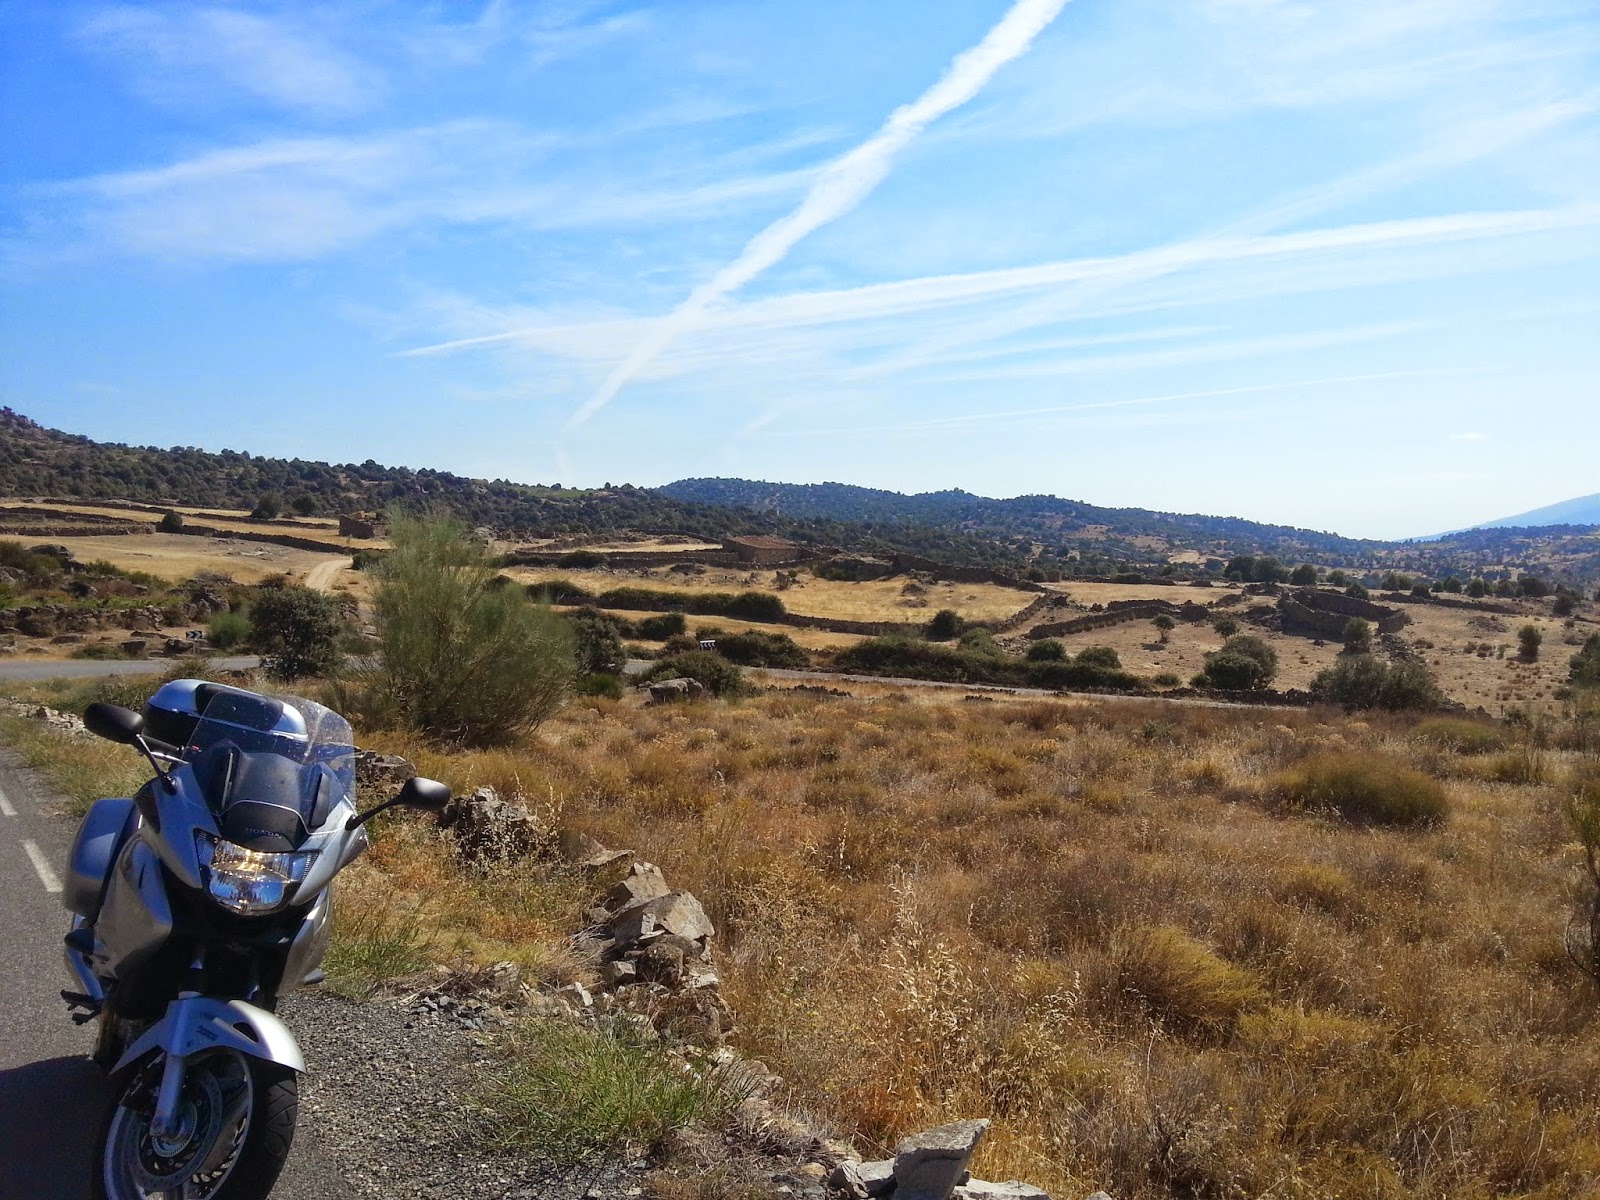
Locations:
598 642
946 624
297 631
1529 639
1585 664
1244 662
1164 625
1305 575
1356 592
1338 577
1226 626
1477 588
306 506
1532 585
1565 603
1361 681
1357 636
268 508
463 661
1396 582
1046 650
1099 656
171 522
1450 584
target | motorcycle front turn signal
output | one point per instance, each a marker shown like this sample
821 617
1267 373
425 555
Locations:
249 882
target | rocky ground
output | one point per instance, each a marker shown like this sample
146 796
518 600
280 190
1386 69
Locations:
389 1090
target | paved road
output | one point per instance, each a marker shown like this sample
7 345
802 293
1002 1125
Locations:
51 1095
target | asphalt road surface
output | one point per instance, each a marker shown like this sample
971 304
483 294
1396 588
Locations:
92 668
51 1095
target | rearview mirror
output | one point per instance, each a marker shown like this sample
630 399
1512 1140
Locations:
416 793
423 793
113 722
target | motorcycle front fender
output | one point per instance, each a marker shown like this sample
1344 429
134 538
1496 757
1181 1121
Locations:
196 1023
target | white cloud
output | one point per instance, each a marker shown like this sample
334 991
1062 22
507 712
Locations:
182 53
840 187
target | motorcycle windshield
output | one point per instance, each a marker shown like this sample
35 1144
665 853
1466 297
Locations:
262 760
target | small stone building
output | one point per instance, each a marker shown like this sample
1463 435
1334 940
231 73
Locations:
760 549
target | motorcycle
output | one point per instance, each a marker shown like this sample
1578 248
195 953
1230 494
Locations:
196 904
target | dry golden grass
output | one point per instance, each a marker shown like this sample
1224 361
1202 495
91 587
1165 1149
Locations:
1095 923
178 556
876 600
310 527
811 639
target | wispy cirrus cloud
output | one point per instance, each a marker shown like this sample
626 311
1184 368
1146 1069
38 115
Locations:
184 52
840 187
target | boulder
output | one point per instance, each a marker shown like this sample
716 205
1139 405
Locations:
487 827
660 963
1011 1189
677 913
864 1178
670 691
929 1165
643 884
374 770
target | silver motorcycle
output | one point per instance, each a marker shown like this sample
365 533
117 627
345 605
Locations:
196 904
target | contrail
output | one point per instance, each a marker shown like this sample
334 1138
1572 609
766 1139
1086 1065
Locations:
843 184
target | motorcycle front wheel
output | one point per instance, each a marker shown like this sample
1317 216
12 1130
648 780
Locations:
235 1123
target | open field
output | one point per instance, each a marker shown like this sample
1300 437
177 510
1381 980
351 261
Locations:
1088 592
175 556
877 600
811 639
1109 929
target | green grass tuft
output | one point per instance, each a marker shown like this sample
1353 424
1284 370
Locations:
1363 789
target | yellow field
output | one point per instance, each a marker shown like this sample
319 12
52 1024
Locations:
176 556
877 600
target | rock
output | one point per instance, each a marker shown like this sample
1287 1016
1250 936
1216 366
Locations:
583 850
618 974
133 646
374 770
700 1017
668 691
643 884
864 1178
1099 1196
660 964
575 996
978 1189
66 639
929 1165
677 912
487 827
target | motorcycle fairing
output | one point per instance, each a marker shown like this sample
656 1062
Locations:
196 1023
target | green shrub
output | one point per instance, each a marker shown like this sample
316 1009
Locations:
580 1096
1305 575
170 522
1047 650
1244 662
1361 681
1184 981
599 684
1585 664
710 670
979 641
746 606
559 591
1529 639
1477 588
914 658
297 632
463 661
1226 626
580 560
1364 789
228 629
946 624
597 642
1166 679
659 628
759 649
1459 734
1099 656
1356 592
1357 635
105 651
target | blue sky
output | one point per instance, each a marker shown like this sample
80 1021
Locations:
1332 264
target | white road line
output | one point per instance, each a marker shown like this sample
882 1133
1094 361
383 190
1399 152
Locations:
41 865
5 807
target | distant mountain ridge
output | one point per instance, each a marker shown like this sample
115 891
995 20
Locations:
1582 510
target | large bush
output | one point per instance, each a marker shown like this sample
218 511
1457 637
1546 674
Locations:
746 606
946 624
1585 664
598 642
713 672
1361 681
758 649
297 631
660 627
463 660
1364 789
1244 662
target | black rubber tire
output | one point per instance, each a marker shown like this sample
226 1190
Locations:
266 1142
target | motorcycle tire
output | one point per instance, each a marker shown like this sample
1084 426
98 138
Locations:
131 1165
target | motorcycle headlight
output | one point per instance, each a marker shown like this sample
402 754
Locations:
250 882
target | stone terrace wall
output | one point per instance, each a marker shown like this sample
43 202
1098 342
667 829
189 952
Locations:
1120 611
912 562
1327 612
